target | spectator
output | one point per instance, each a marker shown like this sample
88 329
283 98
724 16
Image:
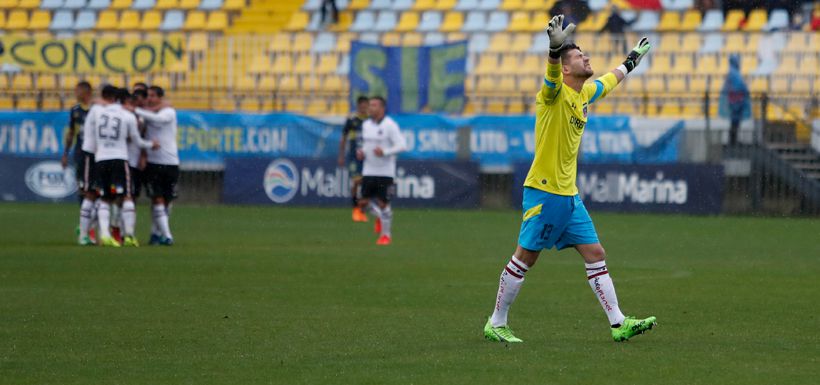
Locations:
734 99
616 25
574 11
332 5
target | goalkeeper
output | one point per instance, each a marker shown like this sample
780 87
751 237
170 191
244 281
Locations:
554 215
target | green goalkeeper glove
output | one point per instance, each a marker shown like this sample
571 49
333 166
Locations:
635 56
558 34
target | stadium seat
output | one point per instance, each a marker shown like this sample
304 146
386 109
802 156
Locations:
327 64
540 43
356 5
691 20
315 23
233 5
712 21
647 21
670 21
298 22
173 21
519 22
478 43
39 20
312 5
756 20
210 5
364 21
466 5
303 65
63 20
51 4
85 20
676 84
74 4
386 21
538 22
194 21
489 5
369 37
143 5
401 5
476 21
324 42
733 20
595 22
98 4
412 39
7 4
521 42
151 21
487 64
444 5
779 20
302 42
188 4
497 22
166 4
408 21
381 5
28 4
452 21
677 5
434 38
129 20
108 20
121 4
430 21
712 43
499 42
533 5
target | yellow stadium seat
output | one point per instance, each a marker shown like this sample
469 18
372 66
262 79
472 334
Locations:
2 20
691 20
759 84
677 84
197 42
18 19
343 42
327 64
408 22
684 63
288 83
302 41
217 21
332 83
187 4
756 20
246 83
27 102
28 4
151 21
129 20
512 5
456 36
345 20
280 43
267 83
391 38
445 5
310 83
485 84
670 21
8 4
487 64
260 65
424 5
283 64
532 65
6 103
500 42
733 20
698 84
748 63
233 5
521 42
595 22
690 42
779 84
249 104
22 82
46 82
670 109
655 84
708 64
519 22
167 4
412 39
452 22
539 21
225 104
298 22
107 20
121 4
52 104
535 5
788 64
509 65
809 64
358 4
661 64
303 65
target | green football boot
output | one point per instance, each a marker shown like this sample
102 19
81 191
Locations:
130 241
85 241
632 327
499 334
108 241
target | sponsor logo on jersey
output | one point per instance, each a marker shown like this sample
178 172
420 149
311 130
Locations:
48 179
281 180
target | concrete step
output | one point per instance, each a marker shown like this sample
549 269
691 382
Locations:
788 146
803 156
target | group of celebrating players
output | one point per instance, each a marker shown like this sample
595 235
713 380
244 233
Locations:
122 141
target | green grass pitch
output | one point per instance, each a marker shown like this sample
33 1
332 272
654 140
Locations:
261 295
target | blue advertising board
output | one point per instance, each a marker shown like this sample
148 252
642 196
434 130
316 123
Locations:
33 179
495 141
319 182
665 188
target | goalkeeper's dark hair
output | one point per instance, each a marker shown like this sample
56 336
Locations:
565 49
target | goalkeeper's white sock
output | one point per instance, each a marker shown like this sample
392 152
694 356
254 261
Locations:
387 220
601 284
129 217
104 217
512 277
86 212
161 220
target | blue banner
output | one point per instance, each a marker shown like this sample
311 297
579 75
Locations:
665 188
32 179
319 182
412 79
495 141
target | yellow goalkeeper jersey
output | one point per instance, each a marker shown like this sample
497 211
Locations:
560 118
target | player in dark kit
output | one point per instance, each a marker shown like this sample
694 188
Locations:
352 136
74 135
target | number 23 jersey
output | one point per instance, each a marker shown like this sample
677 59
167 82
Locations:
106 131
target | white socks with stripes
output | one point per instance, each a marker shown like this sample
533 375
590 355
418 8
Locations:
161 220
129 217
387 220
86 214
104 217
604 290
511 279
